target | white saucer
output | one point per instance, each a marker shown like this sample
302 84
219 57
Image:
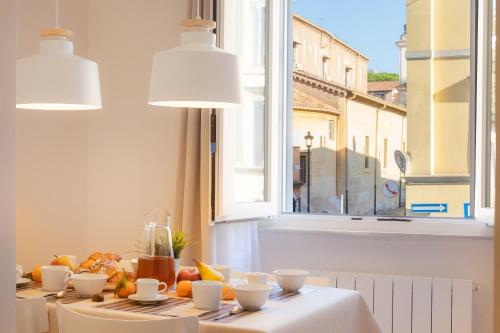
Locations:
22 281
158 298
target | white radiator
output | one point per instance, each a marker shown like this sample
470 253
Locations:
408 304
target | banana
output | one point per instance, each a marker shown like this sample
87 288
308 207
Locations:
207 272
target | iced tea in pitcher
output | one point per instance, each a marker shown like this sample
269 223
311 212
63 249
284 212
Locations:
157 261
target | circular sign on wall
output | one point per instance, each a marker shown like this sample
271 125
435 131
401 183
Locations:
390 189
402 160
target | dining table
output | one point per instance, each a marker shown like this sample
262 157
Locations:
312 309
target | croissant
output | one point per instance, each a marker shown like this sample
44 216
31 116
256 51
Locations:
98 262
96 255
87 264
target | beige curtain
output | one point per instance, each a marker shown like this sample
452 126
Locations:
192 214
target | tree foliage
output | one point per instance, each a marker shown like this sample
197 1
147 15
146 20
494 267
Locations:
373 77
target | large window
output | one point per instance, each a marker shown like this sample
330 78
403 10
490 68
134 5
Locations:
384 117
411 116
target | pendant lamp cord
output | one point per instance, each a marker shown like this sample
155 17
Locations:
57 14
197 9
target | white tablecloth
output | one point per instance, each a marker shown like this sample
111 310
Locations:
322 310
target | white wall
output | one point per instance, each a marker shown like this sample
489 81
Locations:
86 178
433 256
51 152
133 148
7 163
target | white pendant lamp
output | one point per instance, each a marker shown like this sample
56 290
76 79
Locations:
55 78
195 74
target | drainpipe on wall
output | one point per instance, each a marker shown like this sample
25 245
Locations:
375 166
375 163
346 171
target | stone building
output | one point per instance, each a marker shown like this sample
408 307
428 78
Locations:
355 134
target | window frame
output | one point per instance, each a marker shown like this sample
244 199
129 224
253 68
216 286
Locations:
481 155
420 225
224 208
481 215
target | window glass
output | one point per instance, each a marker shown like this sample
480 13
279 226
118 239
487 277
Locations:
245 35
492 109
399 95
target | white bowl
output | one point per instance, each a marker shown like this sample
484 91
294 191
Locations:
252 295
88 284
291 279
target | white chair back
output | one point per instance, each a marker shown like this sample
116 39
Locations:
31 315
73 322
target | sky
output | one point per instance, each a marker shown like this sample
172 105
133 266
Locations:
370 26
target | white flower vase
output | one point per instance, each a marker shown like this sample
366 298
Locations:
177 265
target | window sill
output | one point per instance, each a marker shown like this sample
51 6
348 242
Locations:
371 227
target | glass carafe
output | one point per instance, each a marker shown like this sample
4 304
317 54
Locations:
157 261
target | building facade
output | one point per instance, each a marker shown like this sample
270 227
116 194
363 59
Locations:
438 65
350 161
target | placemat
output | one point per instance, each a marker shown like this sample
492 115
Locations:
71 296
133 306
225 308
278 294
29 285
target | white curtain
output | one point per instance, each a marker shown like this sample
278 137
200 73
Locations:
237 245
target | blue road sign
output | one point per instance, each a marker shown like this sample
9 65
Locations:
466 210
429 208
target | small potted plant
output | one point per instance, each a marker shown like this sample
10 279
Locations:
180 241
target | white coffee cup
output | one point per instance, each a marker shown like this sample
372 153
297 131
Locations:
224 270
55 278
207 294
255 278
148 288
19 271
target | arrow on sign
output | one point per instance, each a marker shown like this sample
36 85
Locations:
429 208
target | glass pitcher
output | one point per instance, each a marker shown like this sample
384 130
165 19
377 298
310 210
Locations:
157 261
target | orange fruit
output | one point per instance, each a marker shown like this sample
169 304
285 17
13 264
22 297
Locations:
125 287
36 275
228 292
184 288
126 290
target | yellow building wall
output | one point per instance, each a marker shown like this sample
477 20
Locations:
418 25
419 116
451 116
438 35
451 24
454 195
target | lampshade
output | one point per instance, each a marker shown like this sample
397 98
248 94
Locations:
195 74
57 79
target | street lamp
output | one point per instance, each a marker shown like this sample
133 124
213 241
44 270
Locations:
309 138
